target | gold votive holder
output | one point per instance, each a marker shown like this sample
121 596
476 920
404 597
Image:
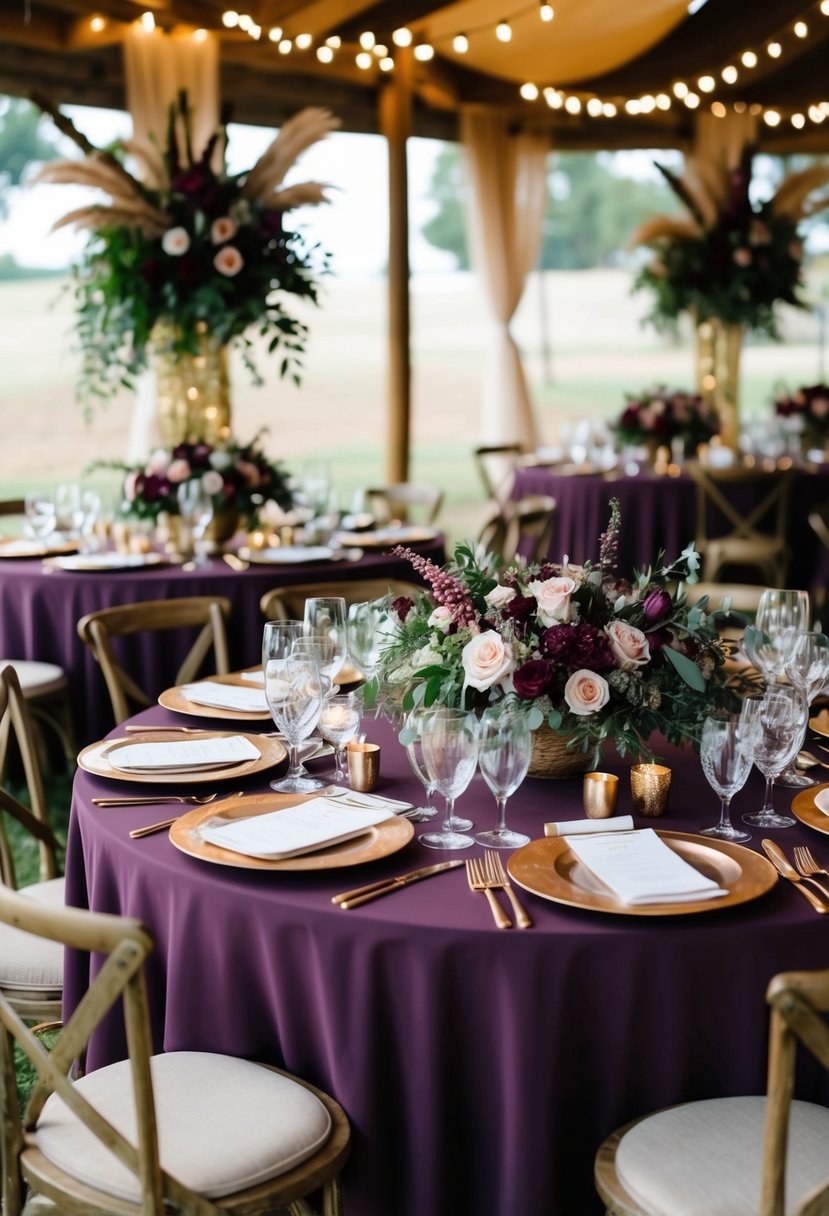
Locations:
600 794
650 787
363 766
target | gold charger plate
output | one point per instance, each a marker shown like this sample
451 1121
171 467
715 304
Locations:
289 555
20 549
804 809
93 759
377 841
175 700
386 538
549 868
106 563
820 723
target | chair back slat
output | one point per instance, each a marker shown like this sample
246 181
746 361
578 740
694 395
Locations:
525 526
728 534
14 715
398 501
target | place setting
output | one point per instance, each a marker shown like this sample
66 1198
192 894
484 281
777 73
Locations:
151 757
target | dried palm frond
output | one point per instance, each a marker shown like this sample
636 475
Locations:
706 187
814 205
793 190
295 196
90 172
149 221
682 192
715 175
149 156
666 227
296 134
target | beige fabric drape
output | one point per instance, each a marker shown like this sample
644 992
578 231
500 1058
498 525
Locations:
157 66
507 204
718 139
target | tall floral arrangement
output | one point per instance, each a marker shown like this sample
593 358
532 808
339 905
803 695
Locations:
594 655
190 245
809 405
728 257
661 414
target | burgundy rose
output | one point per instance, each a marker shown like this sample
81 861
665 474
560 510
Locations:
548 571
656 605
591 649
153 488
402 605
270 226
557 643
190 271
533 679
191 181
152 270
200 454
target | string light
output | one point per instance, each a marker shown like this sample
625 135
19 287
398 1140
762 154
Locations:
772 118
718 109
200 35
285 46
363 60
572 105
749 59
148 22
245 22
824 7
275 33
609 110
402 36
798 121
729 74
325 54
386 64
594 107
680 90
774 49
334 42
424 51
691 100
663 101
529 91
553 98
503 31
303 41
546 12
230 19
647 104
97 23
366 40
801 29
460 44
706 84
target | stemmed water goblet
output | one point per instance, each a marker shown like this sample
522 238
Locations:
196 509
41 517
324 626
339 724
504 751
781 615
278 641
366 635
296 695
410 737
449 738
726 753
781 714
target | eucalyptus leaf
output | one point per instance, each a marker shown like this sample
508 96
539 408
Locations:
685 668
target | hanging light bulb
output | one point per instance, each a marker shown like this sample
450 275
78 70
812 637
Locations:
572 105
632 106
303 41
97 23
609 109
729 74
691 100
798 121
366 40
553 98
200 35
275 33
718 109
285 46
706 84
335 42
230 19
503 31
801 29
460 43
386 64
774 49
529 91
680 89
594 107
772 118
325 54
402 36
424 52
749 59
147 22
546 12
663 101
363 60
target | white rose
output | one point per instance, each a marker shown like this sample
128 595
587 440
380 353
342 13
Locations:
220 459
487 660
212 482
554 600
441 618
586 692
499 596
159 462
175 242
629 645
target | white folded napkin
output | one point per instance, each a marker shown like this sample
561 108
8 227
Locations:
191 755
226 696
822 801
371 801
294 830
580 827
255 677
639 868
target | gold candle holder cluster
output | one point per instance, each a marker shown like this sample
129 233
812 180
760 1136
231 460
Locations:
650 787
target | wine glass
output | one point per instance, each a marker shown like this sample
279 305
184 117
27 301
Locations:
726 752
366 635
449 738
412 742
339 724
41 517
296 692
90 509
781 614
776 743
505 748
278 640
196 509
68 508
325 625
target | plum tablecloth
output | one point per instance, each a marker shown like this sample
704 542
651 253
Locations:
40 608
480 1068
659 513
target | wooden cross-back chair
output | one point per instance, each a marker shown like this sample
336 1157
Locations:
664 1161
31 970
12 506
98 629
181 1132
405 500
757 538
496 464
525 526
288 603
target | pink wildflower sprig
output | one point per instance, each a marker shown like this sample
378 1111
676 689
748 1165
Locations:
609 540
448 591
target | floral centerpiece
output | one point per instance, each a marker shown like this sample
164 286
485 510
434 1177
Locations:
238 477
660 415
190 246
594 656
809 406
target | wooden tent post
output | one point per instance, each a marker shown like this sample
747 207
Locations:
395 124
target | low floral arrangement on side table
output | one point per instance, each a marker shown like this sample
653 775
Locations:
810 407
595 656
189 245
238 477
660 415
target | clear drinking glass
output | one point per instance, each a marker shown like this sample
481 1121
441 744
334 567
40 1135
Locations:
504 751
414 754
41 518
196 509
781 614
781 716
339 724
727 752
806 665
366 636
325 625
449 738
68 508
296 692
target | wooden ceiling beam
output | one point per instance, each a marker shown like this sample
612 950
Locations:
322 17
39 34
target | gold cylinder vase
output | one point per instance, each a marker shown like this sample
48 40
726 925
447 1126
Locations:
718 351
193 390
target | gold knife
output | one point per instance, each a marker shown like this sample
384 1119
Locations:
361 895
784 867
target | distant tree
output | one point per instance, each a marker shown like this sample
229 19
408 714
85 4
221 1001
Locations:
21 143
592 212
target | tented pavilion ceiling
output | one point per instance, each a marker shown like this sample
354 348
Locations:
588 62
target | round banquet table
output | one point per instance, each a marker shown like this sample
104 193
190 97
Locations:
41 606
659 513
480 1068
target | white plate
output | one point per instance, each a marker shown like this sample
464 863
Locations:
108 561
290 555
386 538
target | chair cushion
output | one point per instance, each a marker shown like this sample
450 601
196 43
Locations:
36 679
705 1158
32 963
223 1124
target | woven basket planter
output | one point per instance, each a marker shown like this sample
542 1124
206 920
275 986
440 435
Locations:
552 759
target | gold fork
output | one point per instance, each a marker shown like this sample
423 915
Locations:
478 881
498 875
806 863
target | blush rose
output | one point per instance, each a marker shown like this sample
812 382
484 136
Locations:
629 645
487 659
586 692
554 599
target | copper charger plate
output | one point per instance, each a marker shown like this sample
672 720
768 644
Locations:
20 549
820 723
386 538
175 700
379 840
93 759
804 809
548 868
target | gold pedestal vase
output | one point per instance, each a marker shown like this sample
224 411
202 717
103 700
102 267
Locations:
193 390
718 349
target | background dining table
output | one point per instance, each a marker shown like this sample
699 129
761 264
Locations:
40 607
480 1068
659 513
